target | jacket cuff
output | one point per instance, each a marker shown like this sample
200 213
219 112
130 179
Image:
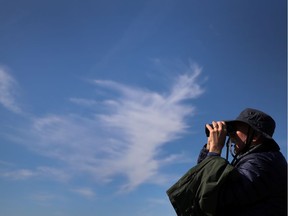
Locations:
203 154
212 154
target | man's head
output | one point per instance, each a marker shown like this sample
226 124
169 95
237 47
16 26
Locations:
251 127
258 120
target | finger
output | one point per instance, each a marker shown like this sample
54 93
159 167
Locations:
222 128
208 126
220 125
215 125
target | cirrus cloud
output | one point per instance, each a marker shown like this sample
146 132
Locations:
122 139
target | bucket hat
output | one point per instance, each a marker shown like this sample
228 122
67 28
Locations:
258 120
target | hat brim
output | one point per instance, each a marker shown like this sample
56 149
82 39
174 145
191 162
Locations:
247 123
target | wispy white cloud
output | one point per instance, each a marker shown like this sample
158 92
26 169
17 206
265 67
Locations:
19 174
85 192
8 92
125 138
53 173
158 201
84 102
40 172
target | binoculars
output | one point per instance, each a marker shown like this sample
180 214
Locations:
229 128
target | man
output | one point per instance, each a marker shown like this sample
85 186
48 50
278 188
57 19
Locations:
255 183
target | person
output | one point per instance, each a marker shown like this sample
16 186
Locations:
253 183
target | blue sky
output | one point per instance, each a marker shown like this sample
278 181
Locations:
103 103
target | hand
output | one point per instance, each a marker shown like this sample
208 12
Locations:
217 137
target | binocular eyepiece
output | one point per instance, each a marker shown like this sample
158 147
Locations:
229 128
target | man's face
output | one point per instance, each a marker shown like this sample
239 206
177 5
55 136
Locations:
239 137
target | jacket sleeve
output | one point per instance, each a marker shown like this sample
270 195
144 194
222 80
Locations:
195 193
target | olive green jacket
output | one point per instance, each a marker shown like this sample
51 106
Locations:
196 192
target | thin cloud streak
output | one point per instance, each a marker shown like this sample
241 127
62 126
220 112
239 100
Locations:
124 139
84 102
20 174
8 86
39 172
85 192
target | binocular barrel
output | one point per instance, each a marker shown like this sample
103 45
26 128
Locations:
229 129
